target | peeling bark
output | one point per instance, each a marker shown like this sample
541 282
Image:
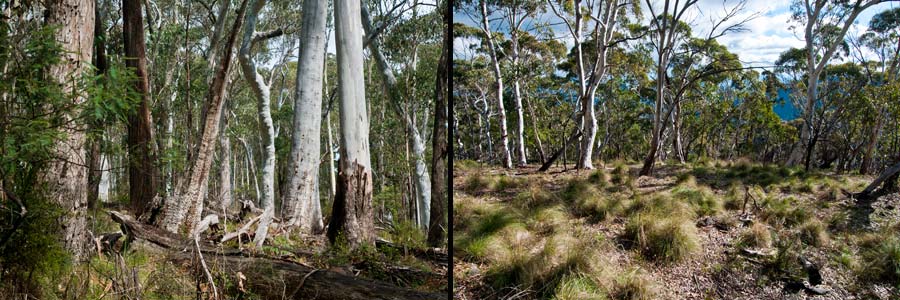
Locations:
66 179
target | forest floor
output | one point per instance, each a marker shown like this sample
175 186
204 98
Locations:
688 232
145 270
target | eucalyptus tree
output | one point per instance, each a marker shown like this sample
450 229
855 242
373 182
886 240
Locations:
493 52
406 111
605 16
143 175
261 89
517 12
302 194
66 176
351 217
668 32
883 39
437 228
825 23
182 211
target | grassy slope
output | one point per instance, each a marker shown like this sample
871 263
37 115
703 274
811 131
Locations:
677 235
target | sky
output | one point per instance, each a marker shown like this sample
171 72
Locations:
766 36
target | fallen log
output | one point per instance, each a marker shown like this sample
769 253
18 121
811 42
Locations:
270 278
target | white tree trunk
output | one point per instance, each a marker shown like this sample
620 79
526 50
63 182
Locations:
267 129
422 179
352 209
498 77
301 198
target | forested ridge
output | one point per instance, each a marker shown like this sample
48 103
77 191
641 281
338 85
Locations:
224 149
616 149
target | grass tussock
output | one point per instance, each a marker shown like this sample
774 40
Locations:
784 212
662 239
578 287
814 233
587 200
701 198
880 256
634 286
756 236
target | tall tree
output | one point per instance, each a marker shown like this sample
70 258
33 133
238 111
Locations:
181 212
439 140
819 18
498 79
143 176
301 197
262 91
351 216
66 177
407 115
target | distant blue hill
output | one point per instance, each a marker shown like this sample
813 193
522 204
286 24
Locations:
784 108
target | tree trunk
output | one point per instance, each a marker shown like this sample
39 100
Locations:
143 177
498 78
870 144
95 155
66 178
439 141
267 130
302 196
415 139
225 178
182 212
517 95
351 217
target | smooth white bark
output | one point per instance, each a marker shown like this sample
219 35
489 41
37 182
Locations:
303 208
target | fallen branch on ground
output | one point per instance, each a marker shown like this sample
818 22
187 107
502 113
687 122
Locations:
267 276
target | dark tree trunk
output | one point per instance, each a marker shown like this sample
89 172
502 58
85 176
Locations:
438 219
143 177
94 154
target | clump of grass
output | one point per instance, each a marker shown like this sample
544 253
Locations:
757 236
549 219
662 239
784 212
813 233
734 197
478 183
587 200
478 242
578 287
505 182
881 257
705 203
633 286
599 178
620 177
534 196
465 165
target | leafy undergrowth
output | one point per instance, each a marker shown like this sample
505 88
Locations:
714 230
141 270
